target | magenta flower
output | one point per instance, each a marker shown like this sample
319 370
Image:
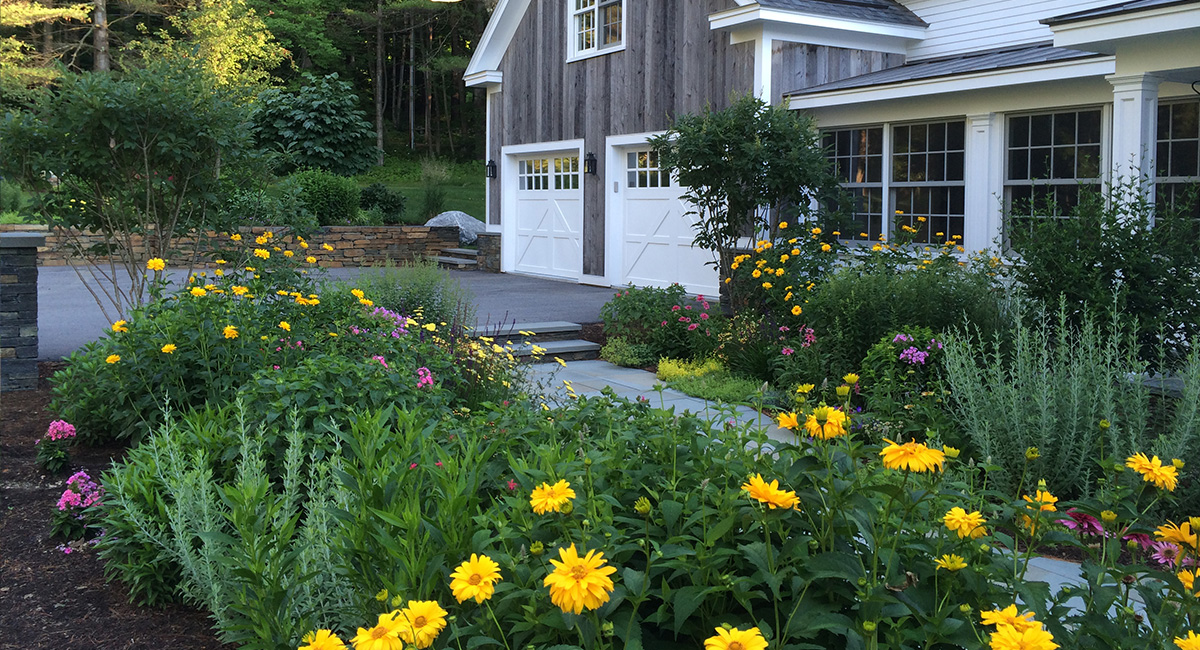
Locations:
60 430
1082 523
1165 553
787 352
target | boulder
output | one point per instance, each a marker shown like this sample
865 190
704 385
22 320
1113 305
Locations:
468 227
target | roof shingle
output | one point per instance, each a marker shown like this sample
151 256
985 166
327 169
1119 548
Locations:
1114 10
884 11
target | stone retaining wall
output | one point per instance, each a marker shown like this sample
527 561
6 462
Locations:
18 310
352 245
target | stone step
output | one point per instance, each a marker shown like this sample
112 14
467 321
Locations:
460 252
455 262
571 350
542 331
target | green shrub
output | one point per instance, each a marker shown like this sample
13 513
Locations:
749 345
390 204
669 322
434 176
318 126
619 350
280 205
419 288
1117 243
11 198
333 199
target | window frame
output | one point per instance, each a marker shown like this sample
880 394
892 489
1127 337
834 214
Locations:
574 52
1172 181
1103 164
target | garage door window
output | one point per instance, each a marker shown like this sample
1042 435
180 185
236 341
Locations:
643 170
533 174
566 173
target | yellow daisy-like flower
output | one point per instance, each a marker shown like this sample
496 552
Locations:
322 640
421 622
825 248
1007 637
261 240
235 237
476 578
303 244
826 423
288 253
850 378
112 358
262 253
788 421
1164 477
120 326
550 498
366 302
796 310
770 494
912 456
767 285
230 332
1190 642
816 231
169 348
1181 534
384 636
327 247
1043 500
1009 617
779 273
199 292
805 389
783 225
239 290
156 264
966 524
357 293
579 583
285 326
950 562
310 259
756 274
736 639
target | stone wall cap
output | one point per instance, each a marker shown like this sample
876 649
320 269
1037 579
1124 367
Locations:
21 240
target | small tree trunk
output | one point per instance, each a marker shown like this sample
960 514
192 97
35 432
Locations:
100 37
379 80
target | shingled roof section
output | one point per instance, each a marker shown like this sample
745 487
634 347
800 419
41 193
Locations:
881 11
1115 10
963 64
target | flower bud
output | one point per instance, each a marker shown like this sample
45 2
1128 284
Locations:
843 391
537 548
1104 424
566 508
606 629
1108 517
951 452
1128 579
964 608
1177 463
1031 453
382 596
642 506
869 626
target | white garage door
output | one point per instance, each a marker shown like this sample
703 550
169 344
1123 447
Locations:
549 215
657 234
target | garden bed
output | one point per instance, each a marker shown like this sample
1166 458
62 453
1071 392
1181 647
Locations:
49 598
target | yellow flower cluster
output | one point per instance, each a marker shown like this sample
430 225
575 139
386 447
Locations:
912 456
770 493
1017 631
826 423
418 624
736 639
966 524
1152 470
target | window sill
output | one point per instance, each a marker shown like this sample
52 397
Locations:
591 54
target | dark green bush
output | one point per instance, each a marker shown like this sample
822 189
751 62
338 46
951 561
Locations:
318 126
280 205
10 197
389 203
333 199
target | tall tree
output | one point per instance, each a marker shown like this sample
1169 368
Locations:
22 68
100 62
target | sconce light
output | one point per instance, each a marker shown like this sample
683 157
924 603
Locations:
589 163
491 169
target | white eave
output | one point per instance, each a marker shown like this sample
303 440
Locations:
1091 67
748 22
1101 34
484 68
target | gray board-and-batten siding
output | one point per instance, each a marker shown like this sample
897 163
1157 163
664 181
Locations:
672 64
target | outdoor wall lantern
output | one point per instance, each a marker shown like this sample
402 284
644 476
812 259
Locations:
491 169
589 163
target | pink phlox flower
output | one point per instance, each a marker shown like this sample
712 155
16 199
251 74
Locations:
69 499
913 356
902 338
1082 523
60 430
424 377
381 360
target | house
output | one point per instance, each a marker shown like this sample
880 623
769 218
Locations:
937 113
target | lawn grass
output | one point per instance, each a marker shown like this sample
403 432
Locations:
465 189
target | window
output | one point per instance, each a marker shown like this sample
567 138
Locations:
1049 157
643 170
548 173
1178 155
921 187
596 26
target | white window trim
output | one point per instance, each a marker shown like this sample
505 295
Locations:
1106 138
573 54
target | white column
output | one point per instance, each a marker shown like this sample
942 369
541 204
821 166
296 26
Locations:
983 176
1135 114
762 66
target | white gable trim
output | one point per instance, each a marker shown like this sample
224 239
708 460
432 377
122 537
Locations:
484 68
1095 67
1101 34
795 26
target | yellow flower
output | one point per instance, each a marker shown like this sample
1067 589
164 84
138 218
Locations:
950 562
169 348
850 378
1009 617
1044 501
230 332
796 310
285 326
783 225
433 328
816 231
156 264
421 622
912 456
327 247
966 524
787 421
198 292
120 326
1108 517
261 240
239 290
383 636
756 274
826 423
805 389
476 578
357 293
288 253
767 285
550 498
779 273
736 639
825 248
303 244
221 262
310 259
1190 642
1182 534
262 252
1164 477
368 303
579 583
235 237
112 358
1007 637
951 452
770 494
322 640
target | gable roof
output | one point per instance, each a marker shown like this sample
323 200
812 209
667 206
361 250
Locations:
883 11
962 64
1114 10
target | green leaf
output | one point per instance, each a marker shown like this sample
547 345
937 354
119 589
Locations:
686 600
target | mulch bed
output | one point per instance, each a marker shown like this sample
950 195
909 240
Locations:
49 599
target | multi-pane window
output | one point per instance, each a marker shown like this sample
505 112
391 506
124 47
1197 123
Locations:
566 173
560 173
921 186
643 170
1178 153
596 25
1050 156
